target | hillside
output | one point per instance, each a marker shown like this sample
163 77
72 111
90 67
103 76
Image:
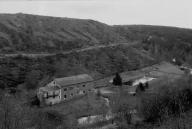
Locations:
35 49
96 62
54 38
162 42
44 47
23 32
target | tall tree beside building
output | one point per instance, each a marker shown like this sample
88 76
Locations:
117 80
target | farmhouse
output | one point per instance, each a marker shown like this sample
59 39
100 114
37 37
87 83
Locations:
63 89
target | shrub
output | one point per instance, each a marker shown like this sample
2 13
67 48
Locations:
173 99
35 101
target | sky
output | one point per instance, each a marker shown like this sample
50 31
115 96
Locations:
113 12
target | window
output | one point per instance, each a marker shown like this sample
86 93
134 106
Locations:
84 92
54 95
65 96
83 85
70 88
47 95
65 89
71 94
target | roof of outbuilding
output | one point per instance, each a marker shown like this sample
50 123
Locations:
72 80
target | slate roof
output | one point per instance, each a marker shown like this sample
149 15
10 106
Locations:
72 80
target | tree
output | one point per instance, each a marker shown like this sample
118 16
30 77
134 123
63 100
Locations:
140 88
117 80
32 79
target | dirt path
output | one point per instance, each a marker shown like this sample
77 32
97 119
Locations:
66 52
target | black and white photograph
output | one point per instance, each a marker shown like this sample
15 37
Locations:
95 64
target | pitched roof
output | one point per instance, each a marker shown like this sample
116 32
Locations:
50 88
68 81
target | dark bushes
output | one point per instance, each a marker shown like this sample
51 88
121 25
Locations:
173 99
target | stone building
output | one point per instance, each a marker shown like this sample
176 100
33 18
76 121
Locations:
63 89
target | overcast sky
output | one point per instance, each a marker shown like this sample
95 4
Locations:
154 12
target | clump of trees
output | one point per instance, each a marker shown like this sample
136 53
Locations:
25 71
17 115
140 87
172 100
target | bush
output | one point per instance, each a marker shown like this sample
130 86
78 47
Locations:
35 101
174 99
